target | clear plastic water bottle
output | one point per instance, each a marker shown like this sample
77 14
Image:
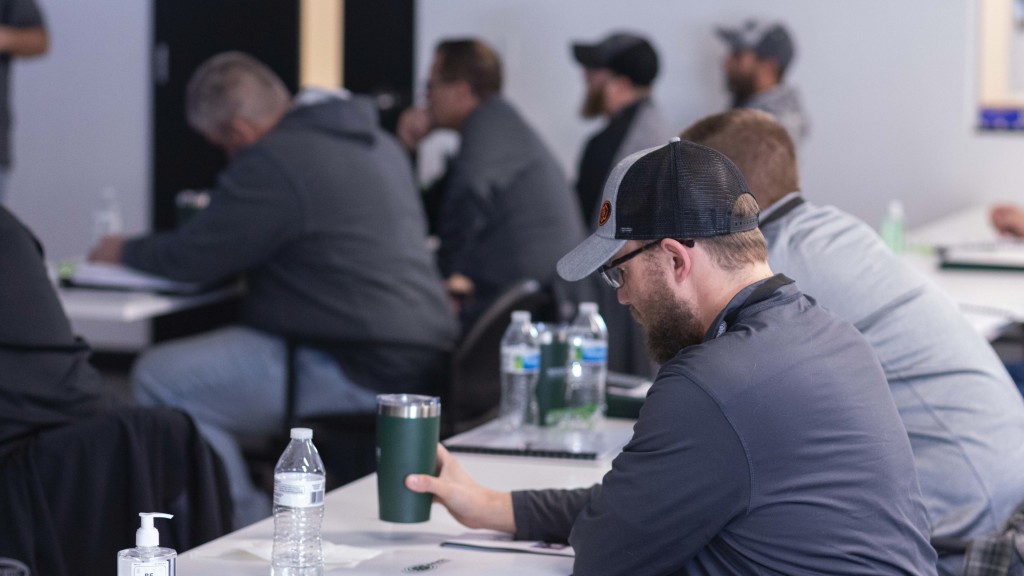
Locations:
298 508
587 367
107 219
520 368
892 227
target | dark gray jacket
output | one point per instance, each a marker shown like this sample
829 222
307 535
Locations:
322 217
46 380
508 212
773 447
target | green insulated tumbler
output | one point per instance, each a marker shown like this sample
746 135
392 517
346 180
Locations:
408 429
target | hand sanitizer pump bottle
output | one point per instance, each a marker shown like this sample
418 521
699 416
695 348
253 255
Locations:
147 558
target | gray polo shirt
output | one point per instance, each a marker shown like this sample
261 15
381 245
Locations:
964 416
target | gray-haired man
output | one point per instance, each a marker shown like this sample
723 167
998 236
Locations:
318 210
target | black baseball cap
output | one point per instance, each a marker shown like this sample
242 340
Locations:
766 39
625 54
680 190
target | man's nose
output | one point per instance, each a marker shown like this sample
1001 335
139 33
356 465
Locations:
620 293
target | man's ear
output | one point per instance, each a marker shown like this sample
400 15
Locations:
767 72
465 93
242 132
682 258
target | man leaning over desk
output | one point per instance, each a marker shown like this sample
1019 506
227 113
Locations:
319 212
769 442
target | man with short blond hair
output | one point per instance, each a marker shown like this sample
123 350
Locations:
964 418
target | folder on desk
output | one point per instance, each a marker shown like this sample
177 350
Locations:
505 543
997 255
554 442
106 276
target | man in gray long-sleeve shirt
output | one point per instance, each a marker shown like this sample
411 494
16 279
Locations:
964 418
769 442
318 211
507 211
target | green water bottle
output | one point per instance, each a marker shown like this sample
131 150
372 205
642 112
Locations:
551 384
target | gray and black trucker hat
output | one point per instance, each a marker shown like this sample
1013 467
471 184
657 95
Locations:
681 190
766 39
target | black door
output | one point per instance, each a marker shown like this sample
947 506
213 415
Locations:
186 33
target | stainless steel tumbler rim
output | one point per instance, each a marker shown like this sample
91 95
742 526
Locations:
408 406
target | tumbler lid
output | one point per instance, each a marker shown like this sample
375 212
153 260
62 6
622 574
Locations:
408 406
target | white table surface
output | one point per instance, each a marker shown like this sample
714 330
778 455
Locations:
351 518
990 299
117 306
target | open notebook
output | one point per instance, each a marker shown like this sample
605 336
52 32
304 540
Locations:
555 442
118 277
996 255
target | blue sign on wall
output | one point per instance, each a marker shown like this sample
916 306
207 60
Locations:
1001 119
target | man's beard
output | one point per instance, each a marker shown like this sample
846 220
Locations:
593 102
741 88
670 325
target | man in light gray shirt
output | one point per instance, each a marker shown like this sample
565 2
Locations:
964 417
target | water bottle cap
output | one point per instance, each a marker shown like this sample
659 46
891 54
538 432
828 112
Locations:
302 434
588 307
896 209
520 315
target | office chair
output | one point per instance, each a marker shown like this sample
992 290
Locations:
469 384
473 390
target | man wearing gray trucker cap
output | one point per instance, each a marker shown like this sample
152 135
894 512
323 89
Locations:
769 442
759 57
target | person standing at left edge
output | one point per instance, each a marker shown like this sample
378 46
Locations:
22 33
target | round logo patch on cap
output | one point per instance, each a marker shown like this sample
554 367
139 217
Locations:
606 213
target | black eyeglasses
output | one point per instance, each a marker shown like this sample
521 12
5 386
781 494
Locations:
612 273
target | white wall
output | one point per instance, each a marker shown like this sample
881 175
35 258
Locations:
889 86
82 122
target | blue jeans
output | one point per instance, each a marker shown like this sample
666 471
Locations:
232 382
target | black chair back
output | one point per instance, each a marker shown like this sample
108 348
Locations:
474 386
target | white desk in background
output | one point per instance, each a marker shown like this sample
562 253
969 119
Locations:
119 321
116 306
991 299
350 517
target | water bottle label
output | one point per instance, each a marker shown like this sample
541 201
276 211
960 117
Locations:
592 352
150 569
298 490
520 359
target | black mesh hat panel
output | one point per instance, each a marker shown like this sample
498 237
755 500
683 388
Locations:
683 190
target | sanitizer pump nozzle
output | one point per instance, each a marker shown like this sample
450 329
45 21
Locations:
147 552
147 535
